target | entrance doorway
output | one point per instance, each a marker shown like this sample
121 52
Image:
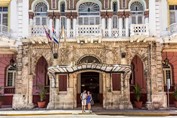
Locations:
90 82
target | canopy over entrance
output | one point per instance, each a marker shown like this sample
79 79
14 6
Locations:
108 68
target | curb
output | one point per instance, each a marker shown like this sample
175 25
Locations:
94 113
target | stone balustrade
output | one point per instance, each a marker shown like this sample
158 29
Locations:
38 30
4 30
173 28
139 29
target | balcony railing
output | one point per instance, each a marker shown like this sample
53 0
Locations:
4 31
38 30
84 30
95 31
139 29
172 28
9 90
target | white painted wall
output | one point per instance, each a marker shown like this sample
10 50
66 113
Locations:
13 18
152 20
163 17
25 18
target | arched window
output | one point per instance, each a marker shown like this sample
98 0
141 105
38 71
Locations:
40 14
114 5
137 13
89 14
62 7
10 76
167 74
115 22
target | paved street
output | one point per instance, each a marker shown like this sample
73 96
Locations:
81 116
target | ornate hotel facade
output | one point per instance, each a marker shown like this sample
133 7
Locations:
105 46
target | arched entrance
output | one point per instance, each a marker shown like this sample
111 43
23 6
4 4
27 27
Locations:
41 79
137 77
90 81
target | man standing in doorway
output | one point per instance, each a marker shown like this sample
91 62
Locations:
83 98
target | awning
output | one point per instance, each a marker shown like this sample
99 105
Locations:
90 66
4 3
172 2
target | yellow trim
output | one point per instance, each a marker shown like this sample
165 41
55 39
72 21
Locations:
172 2
4 3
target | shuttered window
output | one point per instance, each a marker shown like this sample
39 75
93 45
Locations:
116 82
62 82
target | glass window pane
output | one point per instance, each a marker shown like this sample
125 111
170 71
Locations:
38 21
86 22
10 79
171 7
80 21
140 19
4 19
172 17
97 20
91 21
44 21
133 20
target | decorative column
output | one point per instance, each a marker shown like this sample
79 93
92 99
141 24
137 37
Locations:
31 15
109 26
74 15
127 23
120 23
146 17
68 26
57 26
50 25
74 27
103 27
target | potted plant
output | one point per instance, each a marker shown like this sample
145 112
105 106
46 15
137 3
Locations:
42 95
175 96
137 92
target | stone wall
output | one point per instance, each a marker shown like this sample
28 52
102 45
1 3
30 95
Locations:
106 52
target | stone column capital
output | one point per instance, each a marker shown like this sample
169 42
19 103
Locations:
31 15
146 14
123 14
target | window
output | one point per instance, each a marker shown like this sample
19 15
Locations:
137 13
41 14
173 14
62 7
3 16
62 82
10 77
114 6
115 22
167 73
116 82
89 14
53 4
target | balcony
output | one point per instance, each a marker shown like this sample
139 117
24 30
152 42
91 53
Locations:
38 30
4 31
9 90
173 29
139 29
89 30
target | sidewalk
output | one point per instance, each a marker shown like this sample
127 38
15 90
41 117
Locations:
35 112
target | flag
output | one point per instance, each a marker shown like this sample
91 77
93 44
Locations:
54 36
47 34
